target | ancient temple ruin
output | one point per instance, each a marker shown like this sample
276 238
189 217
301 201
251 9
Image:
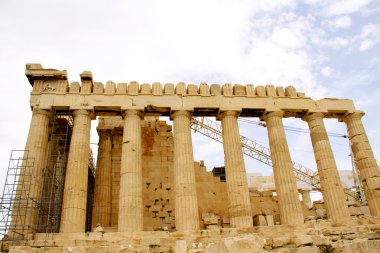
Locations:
146 178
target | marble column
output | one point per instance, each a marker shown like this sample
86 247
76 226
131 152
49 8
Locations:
101 213
186 202
365 161
236 177
31 173
130 196
73 216
306 198
331 185
285 180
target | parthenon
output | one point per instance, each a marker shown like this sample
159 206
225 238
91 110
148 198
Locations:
146 178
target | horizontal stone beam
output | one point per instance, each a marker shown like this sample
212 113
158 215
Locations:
201 106
51 89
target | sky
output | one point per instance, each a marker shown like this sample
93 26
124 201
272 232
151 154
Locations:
327 48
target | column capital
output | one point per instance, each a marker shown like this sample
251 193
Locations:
223 114
132 112
174 114
312 115
84 112
352 115
48 113
270 114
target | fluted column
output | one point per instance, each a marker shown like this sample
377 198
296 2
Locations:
332 189
31 173
285 180
236 178
365 161
130 196
306 198
73 217
186 202
101 213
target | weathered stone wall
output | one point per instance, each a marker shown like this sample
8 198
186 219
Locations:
158 191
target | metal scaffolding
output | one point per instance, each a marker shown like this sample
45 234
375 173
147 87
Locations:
257 151
54 175
15 201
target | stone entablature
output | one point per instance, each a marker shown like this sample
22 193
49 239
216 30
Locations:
51 89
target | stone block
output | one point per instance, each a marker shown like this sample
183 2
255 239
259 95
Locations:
320 240
145 88
270 90
250 90
211 248
98 88
280 91
180 246
162 214
133 88
308 249
241 244
215 89
155 208
180 89
211 220
74 87
239 90
110 88
373 183
280 241
260 91
303 240
320 213
301 95
213 226
169 89
121 88
259 220
290 91
192 89
86 87
157 89
364 210
226 220
227 89
354 210
269 219
204 89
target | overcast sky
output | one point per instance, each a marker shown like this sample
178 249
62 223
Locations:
324 48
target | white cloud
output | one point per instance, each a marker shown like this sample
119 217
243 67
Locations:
369 36
343 22
366 44
326 71
339 7
346 6
337 42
